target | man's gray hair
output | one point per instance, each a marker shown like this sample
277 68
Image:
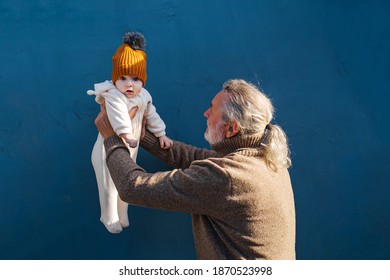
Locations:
253 112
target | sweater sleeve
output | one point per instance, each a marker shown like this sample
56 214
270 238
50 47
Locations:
180 155
117 112
154 123
203 188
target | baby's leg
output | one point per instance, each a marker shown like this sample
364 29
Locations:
122 213
109 216
107 192
123 206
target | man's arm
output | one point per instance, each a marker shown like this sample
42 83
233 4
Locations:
180 155
204 188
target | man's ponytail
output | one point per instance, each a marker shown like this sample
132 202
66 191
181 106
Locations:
277 153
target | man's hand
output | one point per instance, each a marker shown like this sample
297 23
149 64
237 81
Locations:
132 113
143 129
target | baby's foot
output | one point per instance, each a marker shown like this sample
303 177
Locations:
124 221
113 227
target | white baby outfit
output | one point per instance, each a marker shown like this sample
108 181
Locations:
113 210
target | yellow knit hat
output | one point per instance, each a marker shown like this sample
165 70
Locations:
130 58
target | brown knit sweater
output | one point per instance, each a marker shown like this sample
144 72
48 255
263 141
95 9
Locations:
240 208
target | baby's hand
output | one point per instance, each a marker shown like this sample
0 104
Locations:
129 139
165 142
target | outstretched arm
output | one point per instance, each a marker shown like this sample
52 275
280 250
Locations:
180 155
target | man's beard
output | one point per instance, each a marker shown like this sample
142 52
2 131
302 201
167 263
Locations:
214 135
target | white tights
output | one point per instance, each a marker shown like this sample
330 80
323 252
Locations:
113 210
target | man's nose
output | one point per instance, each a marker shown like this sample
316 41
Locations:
207 113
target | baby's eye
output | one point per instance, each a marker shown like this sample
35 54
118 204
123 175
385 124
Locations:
123 78
136 79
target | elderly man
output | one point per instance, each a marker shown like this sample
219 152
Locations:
239 193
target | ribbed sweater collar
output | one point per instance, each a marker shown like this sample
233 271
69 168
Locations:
246 145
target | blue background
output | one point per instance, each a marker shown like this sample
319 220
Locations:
325 64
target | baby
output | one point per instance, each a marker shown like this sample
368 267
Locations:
125 92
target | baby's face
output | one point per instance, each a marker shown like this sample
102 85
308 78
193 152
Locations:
129 85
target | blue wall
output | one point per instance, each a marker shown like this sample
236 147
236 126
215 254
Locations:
325 65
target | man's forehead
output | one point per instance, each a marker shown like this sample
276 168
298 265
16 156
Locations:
218 98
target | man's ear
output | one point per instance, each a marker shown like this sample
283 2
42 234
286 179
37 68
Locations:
232 129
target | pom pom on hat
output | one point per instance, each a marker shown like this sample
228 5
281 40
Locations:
135 40
130 58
